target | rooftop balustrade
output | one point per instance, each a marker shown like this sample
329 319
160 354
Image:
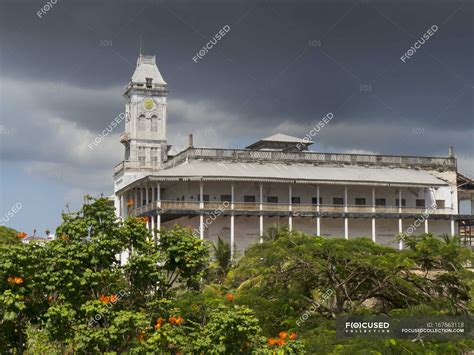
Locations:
256 156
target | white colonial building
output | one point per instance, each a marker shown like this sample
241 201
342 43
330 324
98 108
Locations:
238 194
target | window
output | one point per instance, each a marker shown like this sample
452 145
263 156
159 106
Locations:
141 123
154 156
295 200
227 198
141 155
338 201
205 198
150 195
149 82
360 201
420 203
380 202
397 202
314 200
154 123
272 199
249 198
440 203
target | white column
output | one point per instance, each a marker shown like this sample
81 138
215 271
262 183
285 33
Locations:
400 220
261 213
374 233
400 231
201 226
153 227
346 220
232 235
135 206
290 218
400 200
158 226
122 209
147 197
201 195
453 229
426 226
158 195
346 228
201 206
232 221
232 196
318 208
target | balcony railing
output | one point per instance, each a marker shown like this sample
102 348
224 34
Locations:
279 207
247 155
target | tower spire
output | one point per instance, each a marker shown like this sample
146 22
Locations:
141 44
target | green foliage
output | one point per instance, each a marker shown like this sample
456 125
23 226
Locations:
8 236
79 294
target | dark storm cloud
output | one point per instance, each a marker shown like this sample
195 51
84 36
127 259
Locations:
282 64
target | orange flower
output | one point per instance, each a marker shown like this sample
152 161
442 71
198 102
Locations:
50 298
141 336
282 335
292 336
19 280
113 298
229 297
143 219
21 235
172 320
159 322
271 341
104 299
130 203
280 342
179 320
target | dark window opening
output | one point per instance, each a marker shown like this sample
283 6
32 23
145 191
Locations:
295 200
249 198
420 203
314 200
380 202
226 198
338 201
149 82
360 201
397 202
272 199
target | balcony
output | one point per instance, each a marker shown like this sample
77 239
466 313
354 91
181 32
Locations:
254 207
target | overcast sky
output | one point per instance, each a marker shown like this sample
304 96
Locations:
282 66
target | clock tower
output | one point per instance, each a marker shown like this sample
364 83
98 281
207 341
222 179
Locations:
145 116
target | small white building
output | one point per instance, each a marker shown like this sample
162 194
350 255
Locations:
238 193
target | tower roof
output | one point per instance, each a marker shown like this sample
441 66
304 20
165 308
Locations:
146 68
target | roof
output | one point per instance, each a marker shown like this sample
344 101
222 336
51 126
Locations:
146 68
280 137
301 173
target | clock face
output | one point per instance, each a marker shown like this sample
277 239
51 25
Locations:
149 104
